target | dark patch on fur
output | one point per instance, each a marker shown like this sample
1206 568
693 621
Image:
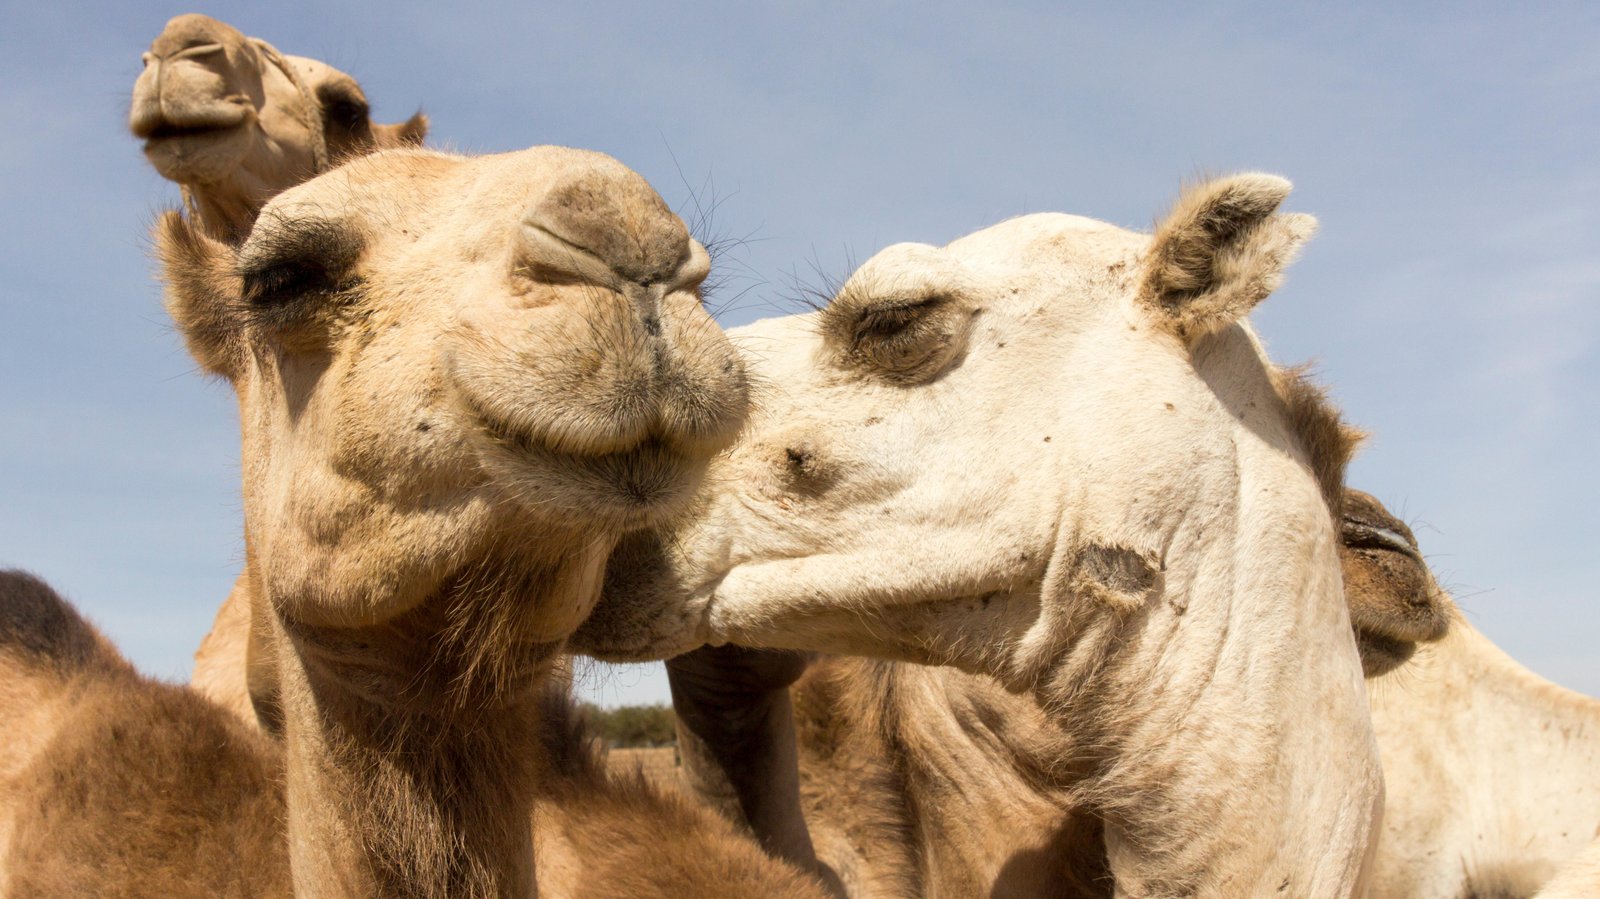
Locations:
144 789
1328 441
43 631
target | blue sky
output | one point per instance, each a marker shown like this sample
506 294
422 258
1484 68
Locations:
1450 299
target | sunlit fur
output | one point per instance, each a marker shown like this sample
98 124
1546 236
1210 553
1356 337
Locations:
113 784
1099 495
460 380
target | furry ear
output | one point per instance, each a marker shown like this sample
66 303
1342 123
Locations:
346 119
1220 251
202 290
409 133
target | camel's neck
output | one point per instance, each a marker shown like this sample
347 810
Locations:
226 214
413 749
1225 716
991 787
1464 727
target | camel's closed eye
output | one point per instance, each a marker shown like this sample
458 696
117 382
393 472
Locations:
286 266
904 337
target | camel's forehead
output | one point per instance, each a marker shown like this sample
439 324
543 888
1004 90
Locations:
393 179
1014 248
580 198
1068 238
315 72
193 29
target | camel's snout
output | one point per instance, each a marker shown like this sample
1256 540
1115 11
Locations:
192 80
607 215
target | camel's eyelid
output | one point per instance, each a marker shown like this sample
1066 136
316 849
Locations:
297 259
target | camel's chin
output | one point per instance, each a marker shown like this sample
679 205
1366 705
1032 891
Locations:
197 155
1380 654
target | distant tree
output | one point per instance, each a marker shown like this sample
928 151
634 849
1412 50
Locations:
631 726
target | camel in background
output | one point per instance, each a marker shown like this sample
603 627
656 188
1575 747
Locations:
435 470
233 121
1140 543
113 784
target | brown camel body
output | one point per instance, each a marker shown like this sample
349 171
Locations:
113 784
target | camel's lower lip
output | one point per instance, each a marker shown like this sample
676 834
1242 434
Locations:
638 482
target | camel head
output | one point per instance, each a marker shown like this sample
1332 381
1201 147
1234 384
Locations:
1054 452
234 121
1394 602
452 368
969 442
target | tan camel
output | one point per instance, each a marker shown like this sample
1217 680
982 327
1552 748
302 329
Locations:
459 380
233 121
1140 543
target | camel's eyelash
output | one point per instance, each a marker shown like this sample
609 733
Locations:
283 283
885 320
299 260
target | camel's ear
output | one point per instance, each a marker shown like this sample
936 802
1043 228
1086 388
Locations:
409 133
1220 251
202 291
347 128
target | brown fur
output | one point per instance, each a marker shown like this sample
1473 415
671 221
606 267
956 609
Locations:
1328 441
1221 250
133 787
891 816
141 788
668 845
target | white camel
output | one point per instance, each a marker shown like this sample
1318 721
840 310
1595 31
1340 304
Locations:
1139 542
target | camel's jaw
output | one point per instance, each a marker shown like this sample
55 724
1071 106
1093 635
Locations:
1381 654
198 152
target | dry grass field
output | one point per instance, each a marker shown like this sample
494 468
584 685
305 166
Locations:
660 765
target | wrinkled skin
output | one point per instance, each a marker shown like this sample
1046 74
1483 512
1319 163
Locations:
1139 542
734 719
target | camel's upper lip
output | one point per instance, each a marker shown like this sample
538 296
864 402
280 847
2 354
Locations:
151 122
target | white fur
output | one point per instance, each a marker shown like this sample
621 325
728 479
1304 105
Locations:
958 517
